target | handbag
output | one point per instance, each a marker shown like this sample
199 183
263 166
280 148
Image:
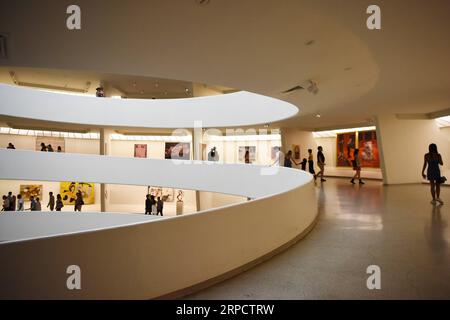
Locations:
442 179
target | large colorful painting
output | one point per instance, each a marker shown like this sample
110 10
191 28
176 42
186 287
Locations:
247 154
345 144
69 190
140 151
166 194
368 149
28 190
177 150
55 142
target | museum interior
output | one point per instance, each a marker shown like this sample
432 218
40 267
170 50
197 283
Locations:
216 110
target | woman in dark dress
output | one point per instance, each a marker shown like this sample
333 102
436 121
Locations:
433 159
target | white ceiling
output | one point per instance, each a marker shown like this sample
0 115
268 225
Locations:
254 45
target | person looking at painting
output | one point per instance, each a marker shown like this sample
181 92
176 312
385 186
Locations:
321 163
10 146
59 203
32 204
356 162
5 205
247 157
311 163
213 155
79 201
159 206
20 203
38 206
59 149
43 147
148 205
432 160
153 204
50 148
288 160
51 201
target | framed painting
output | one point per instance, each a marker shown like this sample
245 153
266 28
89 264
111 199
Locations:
69 190
368 149
28 190
140 151
345 147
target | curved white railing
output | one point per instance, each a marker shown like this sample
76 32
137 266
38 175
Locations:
233 109
145 259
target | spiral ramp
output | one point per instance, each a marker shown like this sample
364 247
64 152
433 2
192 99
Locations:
129 256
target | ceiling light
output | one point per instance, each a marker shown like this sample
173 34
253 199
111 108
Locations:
318 115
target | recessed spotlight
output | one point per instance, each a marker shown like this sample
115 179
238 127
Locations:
186 89
318 115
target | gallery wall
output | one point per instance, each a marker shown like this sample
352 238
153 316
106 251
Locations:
306 140
404 143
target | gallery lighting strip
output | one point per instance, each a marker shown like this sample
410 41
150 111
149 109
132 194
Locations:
443 122
174 138
257 137
56 134
333 133
92 135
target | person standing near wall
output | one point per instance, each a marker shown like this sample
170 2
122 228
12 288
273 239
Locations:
321 163
59 202
153 204
20 203
43 147
148 205
32 204
79 201
356 162
12 201
5 206
433 159
311 163
159 206
10 146
38 206
51 201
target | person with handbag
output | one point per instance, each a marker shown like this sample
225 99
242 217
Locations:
432 160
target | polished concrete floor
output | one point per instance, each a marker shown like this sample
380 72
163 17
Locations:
394 227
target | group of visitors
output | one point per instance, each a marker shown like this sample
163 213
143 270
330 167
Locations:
289 160
10 201
49 148
154 205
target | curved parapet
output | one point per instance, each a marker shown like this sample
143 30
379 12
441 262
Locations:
131 258
233 109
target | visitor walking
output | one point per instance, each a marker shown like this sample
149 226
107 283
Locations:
311 163
43 147
32 204
51 201
321 163
153 204
432 160
356 162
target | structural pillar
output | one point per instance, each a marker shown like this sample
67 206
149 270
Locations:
105 150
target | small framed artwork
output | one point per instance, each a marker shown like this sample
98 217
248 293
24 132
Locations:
140 151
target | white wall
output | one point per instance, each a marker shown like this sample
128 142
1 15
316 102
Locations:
403 144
